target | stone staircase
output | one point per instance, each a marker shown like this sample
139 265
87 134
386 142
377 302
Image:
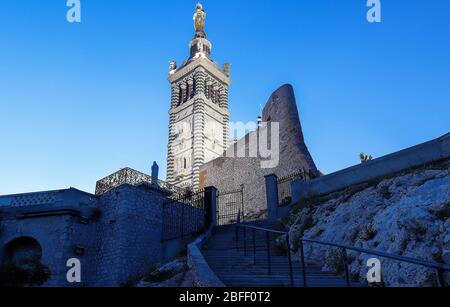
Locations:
235 269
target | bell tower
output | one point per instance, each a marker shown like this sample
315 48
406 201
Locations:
199 116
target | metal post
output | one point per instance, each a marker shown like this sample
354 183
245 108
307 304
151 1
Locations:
242 202
441 278
347 273
290 259
272 196
269 262
237 237
245 241
302 260
210 203
254 246
182 221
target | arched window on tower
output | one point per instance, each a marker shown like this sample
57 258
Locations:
208 91
185 163
180 95
212 93
188 90
183 92
216 97
191 89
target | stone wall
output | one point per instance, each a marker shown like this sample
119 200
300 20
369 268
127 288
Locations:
116 236
55 220
128 235
419 155
203 275
229 173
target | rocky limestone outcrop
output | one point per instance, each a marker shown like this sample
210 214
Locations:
406 215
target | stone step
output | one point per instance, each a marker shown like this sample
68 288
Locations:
245 278
271 283
286 277
237 269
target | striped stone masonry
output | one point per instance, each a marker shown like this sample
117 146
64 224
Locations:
199 119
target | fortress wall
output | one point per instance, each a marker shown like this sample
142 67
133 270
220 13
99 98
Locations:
124 241
57 235
128 237
228 174
52 234
416 156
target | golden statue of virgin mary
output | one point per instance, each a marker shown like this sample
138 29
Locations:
199 18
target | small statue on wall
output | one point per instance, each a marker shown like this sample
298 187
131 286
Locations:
226 69
365 158
172 66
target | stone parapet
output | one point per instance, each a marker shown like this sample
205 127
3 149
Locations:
416 156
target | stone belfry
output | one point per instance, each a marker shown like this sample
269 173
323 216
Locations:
199 117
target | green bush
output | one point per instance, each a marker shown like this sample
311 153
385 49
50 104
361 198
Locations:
286 201
30 273
385 192
444 213
280 246
369 232
337 261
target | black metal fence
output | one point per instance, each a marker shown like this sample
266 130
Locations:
135 178
284 186
229 205
184 216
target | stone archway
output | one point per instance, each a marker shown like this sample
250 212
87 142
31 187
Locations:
21 264
22 250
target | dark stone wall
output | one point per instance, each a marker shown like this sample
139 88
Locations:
58 234
128 236
53 235
122 242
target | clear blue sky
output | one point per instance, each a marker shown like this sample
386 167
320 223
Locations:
80 101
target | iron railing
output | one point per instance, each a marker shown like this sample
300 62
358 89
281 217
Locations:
229 204
134 178
184 216
284 186
440 269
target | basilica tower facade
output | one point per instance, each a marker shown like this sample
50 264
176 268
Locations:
199 116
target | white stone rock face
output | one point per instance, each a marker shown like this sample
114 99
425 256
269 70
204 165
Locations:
406 215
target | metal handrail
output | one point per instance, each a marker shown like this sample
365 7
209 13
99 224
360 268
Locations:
439 267
262 229
267 239
431 265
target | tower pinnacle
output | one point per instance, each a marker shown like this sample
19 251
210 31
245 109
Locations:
200 46
199 21
199 116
